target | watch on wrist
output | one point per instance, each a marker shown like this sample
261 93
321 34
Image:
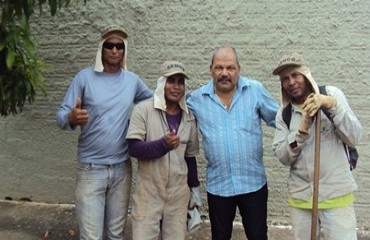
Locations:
293 144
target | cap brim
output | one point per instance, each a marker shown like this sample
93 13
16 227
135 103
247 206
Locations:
113 32
176 72
282 67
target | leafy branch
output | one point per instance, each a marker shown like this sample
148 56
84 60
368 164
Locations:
21 73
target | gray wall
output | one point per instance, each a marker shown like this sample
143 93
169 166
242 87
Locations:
38 159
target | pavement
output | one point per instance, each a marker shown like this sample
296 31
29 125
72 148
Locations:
21 220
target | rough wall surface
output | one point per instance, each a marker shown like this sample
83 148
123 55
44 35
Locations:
38 159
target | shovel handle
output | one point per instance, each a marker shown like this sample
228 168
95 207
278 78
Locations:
316 176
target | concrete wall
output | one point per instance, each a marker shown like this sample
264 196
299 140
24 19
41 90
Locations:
38 159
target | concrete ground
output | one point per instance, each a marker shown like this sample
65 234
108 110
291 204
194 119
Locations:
35 221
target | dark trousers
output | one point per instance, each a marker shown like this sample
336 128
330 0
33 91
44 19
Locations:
252 208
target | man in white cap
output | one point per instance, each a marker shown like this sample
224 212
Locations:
293 145
99 100
163 137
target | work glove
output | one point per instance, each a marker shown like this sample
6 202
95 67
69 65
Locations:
195 201
194 220
306 123
315 101
195 198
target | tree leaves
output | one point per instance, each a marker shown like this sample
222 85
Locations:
53 6
10 58
21 73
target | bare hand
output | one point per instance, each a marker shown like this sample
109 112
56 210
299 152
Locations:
78 116
172 139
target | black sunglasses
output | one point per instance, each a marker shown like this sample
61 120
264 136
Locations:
110 46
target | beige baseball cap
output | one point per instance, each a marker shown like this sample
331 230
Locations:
169 68
292 60
113 29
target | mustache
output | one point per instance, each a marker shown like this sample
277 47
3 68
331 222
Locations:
224 79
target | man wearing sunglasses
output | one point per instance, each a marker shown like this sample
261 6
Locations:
99 100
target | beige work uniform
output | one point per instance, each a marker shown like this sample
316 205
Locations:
162 193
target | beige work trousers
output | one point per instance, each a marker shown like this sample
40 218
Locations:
159 210
336 223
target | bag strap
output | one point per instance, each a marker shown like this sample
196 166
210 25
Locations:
322 90
287 114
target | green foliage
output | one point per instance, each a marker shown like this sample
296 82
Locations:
21 73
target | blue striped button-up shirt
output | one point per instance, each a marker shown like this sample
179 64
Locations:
232 139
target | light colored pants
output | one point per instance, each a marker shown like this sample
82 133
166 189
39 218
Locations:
336 224
102 199
157 213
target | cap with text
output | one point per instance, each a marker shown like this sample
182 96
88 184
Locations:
292 60
170 68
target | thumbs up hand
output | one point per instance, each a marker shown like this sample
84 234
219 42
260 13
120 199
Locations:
79 103
172 139
78 116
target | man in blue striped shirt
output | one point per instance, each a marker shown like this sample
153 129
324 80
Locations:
229 110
